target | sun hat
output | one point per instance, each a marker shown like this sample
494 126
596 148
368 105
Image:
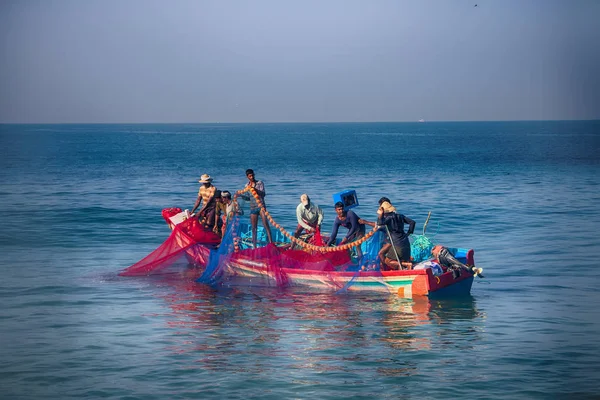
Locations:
205 178
388 207
381 200
304 199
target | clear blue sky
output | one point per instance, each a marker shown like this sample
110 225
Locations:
296 61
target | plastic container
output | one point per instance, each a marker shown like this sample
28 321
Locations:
347 197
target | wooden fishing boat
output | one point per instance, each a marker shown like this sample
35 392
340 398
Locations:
283 263
246 267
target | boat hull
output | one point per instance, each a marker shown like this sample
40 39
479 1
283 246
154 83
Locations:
406 283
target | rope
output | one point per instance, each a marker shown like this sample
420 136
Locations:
304 245
426 222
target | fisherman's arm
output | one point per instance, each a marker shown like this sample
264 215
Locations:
365 222
336 226
320 216
411 225
245 196
354 225
196 204
259 186
383 219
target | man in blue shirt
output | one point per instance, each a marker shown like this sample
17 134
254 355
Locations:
351 221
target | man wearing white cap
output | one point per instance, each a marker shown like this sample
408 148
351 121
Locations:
206 196
309 215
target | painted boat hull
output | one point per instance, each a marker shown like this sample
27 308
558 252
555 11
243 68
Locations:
406 283
247 269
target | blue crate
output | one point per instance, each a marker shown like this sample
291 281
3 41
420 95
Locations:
347 197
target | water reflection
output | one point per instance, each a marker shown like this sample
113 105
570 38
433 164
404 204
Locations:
459 324
255 329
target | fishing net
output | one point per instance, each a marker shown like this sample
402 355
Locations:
188 246
269 255
420 249
247 258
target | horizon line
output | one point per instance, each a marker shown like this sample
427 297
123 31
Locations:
295 122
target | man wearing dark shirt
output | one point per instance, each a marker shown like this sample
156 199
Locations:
396 252
347 219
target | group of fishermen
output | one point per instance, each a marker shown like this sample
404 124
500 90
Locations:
218 208
395 252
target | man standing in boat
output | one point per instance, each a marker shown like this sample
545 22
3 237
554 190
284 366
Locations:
255 209
309 216
355 225
206 196
396 253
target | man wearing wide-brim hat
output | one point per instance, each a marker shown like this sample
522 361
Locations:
206 196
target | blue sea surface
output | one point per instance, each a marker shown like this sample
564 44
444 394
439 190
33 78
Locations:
82 202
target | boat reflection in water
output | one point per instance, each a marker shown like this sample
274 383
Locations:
254 329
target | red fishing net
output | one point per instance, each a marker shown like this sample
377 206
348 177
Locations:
188 244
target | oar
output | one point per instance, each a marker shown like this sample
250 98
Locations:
426 222
393 247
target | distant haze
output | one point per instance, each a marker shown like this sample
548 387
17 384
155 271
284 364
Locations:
298 61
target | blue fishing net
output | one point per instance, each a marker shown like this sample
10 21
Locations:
286 261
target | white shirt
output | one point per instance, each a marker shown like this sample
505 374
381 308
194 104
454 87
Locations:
312 215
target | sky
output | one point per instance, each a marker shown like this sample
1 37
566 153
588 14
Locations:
127 61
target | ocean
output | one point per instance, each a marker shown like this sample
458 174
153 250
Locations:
82 202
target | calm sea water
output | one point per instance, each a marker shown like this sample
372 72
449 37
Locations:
81 202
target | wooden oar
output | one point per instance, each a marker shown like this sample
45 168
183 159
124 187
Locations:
426 222
393 247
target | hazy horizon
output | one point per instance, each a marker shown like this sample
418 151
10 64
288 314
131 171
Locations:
291 122
136 61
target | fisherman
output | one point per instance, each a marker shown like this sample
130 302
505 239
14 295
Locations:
355 225
206 196
227 209
394 254
255 209
309 216
231 208
219 211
